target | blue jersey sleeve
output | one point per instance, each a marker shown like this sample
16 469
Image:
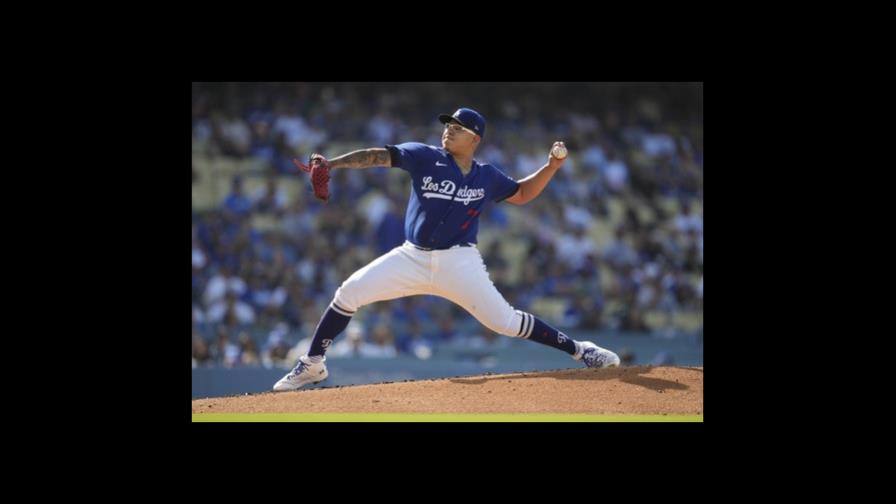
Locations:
409 155
504 186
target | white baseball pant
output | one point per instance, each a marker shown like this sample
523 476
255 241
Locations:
457 274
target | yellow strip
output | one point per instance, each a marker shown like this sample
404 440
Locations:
435 417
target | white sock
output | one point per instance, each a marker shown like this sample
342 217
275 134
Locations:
315 358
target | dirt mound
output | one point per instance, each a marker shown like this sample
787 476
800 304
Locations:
630 390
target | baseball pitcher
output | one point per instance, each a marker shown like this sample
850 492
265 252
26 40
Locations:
449 189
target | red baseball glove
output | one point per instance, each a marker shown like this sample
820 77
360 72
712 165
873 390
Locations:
319 168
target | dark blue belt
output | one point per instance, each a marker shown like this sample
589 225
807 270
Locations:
431 249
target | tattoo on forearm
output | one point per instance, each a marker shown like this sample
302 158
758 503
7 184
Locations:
364 158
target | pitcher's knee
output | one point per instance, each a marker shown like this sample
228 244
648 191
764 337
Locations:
521 324
347 299
505 322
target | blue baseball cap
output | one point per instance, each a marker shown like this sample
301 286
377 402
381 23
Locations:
469 118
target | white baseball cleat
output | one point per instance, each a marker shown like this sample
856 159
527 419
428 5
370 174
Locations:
305 372
595 356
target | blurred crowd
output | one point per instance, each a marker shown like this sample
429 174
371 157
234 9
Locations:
614 243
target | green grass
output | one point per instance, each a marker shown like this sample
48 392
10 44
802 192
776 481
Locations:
435 417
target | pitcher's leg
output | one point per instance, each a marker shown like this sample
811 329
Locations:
396 274
459 275
491 309
463 279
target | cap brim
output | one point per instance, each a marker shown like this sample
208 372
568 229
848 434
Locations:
444 118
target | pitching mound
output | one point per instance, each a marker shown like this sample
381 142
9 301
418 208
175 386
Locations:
615 391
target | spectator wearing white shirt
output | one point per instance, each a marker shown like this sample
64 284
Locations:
222 283
231 311
275 351
290 124
236 135
615 172
572 248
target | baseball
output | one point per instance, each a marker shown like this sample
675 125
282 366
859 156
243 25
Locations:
559 151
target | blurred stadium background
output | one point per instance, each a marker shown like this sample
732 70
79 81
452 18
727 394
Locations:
611 251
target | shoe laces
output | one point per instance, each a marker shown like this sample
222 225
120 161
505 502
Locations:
299 369
591 356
